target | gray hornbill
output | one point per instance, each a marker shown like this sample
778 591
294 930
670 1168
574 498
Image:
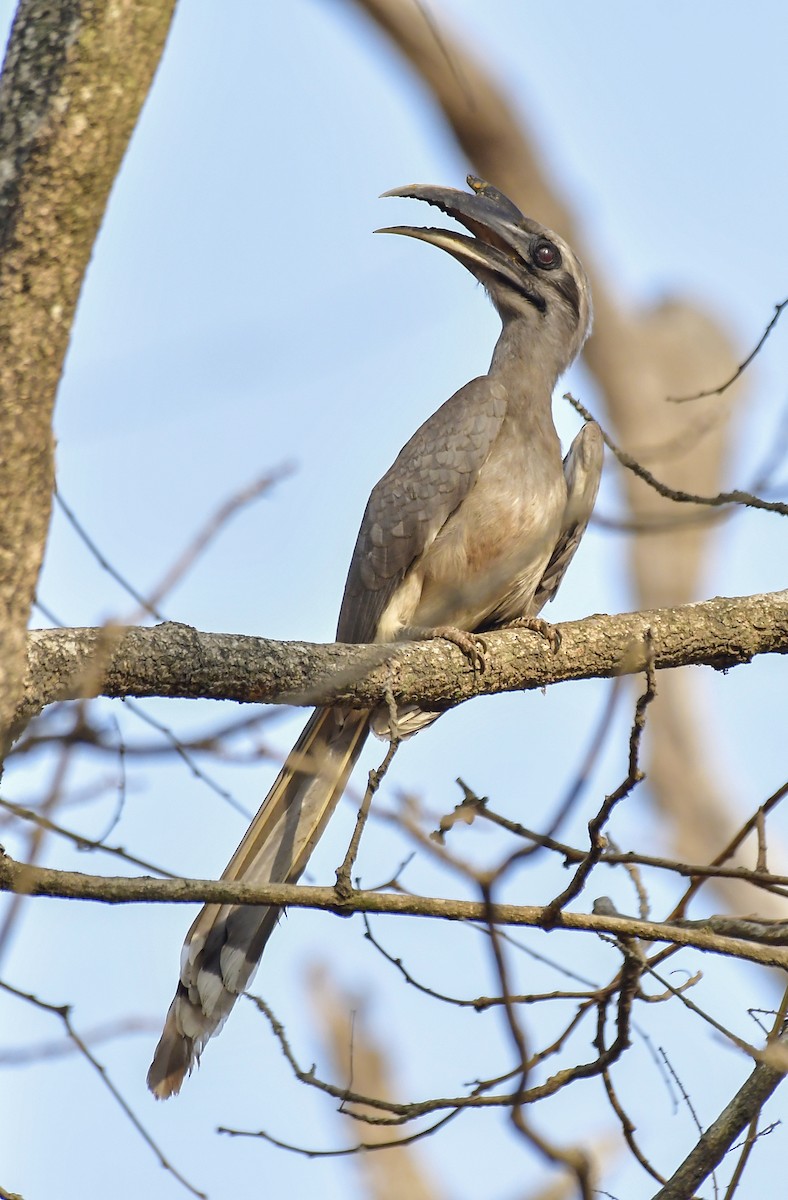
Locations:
471 529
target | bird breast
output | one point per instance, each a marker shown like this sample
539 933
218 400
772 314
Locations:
486 562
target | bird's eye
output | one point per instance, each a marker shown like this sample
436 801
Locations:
546 255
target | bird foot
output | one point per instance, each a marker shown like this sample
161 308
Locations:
473 647
538 625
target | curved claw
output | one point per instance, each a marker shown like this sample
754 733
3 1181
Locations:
550 633
472 645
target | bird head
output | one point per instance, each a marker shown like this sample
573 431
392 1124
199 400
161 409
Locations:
527 270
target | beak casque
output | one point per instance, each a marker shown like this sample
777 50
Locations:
498 227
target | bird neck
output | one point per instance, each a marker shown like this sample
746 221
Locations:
529 357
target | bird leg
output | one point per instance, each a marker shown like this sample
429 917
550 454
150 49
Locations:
538 625
473 647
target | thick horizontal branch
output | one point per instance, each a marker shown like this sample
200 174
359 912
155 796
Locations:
73 885
175 660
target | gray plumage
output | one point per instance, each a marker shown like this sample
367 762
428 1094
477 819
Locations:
472 528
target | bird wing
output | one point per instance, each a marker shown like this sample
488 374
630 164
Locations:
429 479
582 471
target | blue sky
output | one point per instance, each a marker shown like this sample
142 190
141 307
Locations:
238 314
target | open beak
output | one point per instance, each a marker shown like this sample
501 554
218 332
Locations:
496 223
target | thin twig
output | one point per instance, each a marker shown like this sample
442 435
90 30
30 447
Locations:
736 497
733 845
477 1003
63 1011
750 1139
628 1128
23 1056
35 843
101 559
79 840
376 777
572 1158
723 1132
95 737
186 757
212 527
634 777
344 1151
742 367
776 884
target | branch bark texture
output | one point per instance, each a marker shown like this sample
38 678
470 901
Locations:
173 660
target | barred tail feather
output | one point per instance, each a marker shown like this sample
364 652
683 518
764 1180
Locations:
223 946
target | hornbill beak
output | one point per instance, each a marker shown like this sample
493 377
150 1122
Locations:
498 226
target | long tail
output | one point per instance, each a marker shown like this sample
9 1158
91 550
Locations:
223 946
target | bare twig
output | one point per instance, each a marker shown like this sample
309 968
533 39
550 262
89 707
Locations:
150 605
761 812
760 828
634 777
375 779
79 840
95 736
356 1148
43 881
473 805
628 1128
369 1063
738 1174
699 872
677 494
187 758
742 367
477 1003
35 842
572 1158
63 1011
23 1056
212 527
722 1133
147 607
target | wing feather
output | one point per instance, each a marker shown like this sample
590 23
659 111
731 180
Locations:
582 471
429 479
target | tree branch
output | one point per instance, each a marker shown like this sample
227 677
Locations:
174 660
44 881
